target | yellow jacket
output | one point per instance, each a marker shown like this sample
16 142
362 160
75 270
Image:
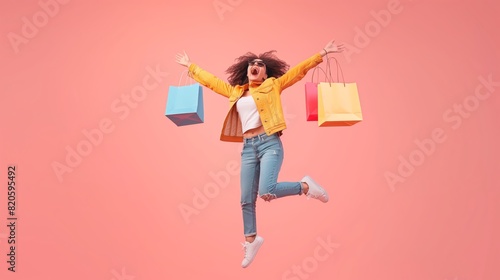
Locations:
265 94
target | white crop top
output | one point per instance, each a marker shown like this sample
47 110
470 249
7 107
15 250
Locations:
247 109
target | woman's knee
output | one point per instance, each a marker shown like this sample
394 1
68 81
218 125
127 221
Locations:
247 200
268 196
267 193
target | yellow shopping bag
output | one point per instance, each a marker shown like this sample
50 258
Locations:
338 103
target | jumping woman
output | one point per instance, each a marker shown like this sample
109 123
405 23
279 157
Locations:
256 118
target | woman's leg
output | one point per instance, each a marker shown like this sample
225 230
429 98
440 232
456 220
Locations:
271 155
249 182
250 170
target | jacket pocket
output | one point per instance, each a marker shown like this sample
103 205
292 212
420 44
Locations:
266 87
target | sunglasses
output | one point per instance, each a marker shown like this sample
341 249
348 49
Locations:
258 63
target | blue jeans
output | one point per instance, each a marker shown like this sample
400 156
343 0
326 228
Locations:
261 160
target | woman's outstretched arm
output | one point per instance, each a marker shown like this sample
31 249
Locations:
299 71
204 77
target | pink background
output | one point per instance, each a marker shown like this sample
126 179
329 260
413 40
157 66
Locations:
116 214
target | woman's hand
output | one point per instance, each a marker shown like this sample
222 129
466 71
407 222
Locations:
331 47
183 59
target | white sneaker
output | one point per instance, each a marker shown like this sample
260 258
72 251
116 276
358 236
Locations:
251 250
315 190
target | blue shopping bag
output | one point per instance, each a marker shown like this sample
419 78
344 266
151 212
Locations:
185 104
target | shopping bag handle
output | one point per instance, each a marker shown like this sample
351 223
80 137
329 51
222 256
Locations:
185 80
329 69
314 70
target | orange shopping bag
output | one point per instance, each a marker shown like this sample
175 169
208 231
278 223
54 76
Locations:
338 103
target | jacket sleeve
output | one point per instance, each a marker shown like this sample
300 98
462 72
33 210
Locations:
299 71
210 81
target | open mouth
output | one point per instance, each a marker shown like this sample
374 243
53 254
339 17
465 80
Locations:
254 71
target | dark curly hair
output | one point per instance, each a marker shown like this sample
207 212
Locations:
275 67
